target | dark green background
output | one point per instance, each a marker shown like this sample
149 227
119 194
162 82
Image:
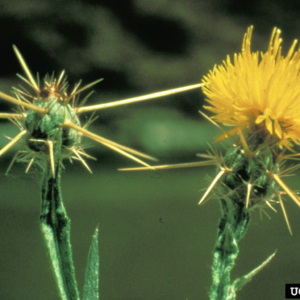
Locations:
155 241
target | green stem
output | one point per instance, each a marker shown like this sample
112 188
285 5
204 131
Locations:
55 226
232 227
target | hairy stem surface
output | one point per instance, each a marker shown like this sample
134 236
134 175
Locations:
232 227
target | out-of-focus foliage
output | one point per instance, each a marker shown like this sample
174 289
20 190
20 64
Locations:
155 242
137 46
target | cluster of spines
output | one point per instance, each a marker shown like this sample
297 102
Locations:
248 172
57 89
267 165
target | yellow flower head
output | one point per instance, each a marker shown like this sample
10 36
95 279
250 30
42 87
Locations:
259 96
258 91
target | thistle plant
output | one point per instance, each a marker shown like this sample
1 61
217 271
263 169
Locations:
257 95
50 132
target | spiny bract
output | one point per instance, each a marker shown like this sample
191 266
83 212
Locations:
258 95
50 129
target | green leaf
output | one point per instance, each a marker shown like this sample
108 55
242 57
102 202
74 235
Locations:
91 284
240 282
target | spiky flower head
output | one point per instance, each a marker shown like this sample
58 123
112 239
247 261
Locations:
48 119
258 95
258 91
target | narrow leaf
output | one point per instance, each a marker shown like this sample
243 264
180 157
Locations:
91 284
240 282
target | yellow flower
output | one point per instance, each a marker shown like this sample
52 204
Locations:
258 91
258 94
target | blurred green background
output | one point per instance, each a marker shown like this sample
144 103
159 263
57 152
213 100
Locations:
155 241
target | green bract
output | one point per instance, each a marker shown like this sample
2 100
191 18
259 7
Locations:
44 127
